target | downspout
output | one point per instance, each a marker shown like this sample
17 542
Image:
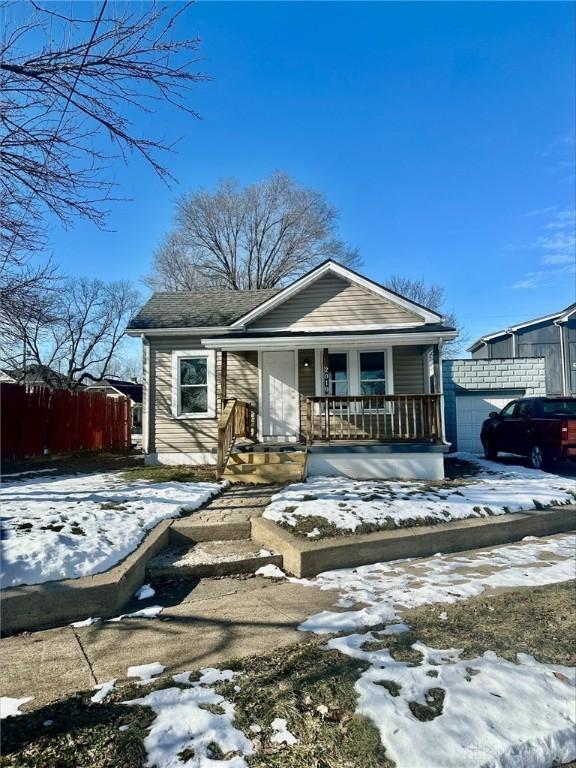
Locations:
562 358
146 394
441 388
513 343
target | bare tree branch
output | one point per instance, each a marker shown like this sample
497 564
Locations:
66 80
247 238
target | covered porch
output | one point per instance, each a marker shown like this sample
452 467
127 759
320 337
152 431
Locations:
315 399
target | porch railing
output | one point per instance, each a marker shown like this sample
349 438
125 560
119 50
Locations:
387 418
236 420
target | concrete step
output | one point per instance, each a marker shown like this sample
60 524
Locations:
210 558
191 529
267 457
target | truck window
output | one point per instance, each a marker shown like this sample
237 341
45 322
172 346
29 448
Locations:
559 407
524 409
508 411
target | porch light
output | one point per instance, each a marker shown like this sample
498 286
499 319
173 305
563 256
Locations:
306 362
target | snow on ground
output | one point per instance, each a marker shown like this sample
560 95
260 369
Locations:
146 672
385 588
144 613
194 719
145 592
346 503
66 527
10 707
102 690
482 713
281 733
493 712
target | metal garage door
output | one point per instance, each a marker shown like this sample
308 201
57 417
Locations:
471 410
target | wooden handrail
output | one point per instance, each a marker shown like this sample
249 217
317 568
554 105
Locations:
235 421
374 417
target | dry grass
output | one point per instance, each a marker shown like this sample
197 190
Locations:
312 688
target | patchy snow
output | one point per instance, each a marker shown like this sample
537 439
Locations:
28 472
271 571
10 707
102 690
384 588
493 713
67 527
347 504
146 672
145 592
183 723
281 733
86 622
144 613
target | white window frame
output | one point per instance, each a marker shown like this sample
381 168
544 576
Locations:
354 368
384 354
177 356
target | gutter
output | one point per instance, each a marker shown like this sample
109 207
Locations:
306 342
558 325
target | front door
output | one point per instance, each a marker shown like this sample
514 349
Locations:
280 401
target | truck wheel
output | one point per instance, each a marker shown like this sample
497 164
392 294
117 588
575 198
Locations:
537 457
490 452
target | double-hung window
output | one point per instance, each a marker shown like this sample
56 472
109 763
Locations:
372 373
193 384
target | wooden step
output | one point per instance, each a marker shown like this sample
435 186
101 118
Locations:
209 559
267 457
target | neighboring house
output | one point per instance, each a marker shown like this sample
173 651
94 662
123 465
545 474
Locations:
121 388
552 337
334 365
34 375
474 388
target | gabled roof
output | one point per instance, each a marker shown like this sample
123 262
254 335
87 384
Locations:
427 315
558 317
197 309
217 310
37 374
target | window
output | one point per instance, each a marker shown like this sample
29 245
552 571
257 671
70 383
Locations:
559 407
337 373
372 373
524 409
193 393
508 411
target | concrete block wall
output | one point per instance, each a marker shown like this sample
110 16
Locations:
519 376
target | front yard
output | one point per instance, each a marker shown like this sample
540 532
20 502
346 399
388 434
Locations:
483 681
332 506
58 527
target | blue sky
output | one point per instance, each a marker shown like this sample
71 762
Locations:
443 132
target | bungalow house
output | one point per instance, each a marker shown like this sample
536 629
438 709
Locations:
333 375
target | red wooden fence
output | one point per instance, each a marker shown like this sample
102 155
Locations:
36 420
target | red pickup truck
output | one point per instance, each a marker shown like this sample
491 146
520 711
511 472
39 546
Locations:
542 428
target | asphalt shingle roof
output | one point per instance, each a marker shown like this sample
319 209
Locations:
197 309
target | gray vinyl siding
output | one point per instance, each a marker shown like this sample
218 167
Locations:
409 377
333 301
570 353
168 434
543 341
242 376
306 381
501 347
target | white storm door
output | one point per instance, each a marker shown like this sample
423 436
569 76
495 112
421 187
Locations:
280 401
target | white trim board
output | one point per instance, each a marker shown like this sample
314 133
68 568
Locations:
337 269
210 355
306 342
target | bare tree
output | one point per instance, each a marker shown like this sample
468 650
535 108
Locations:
83 339
250 237
431 296
69 83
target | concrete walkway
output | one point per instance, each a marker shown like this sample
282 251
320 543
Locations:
238 503
219 620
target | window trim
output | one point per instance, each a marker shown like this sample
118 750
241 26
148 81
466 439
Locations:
354 368
385 367
183 354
